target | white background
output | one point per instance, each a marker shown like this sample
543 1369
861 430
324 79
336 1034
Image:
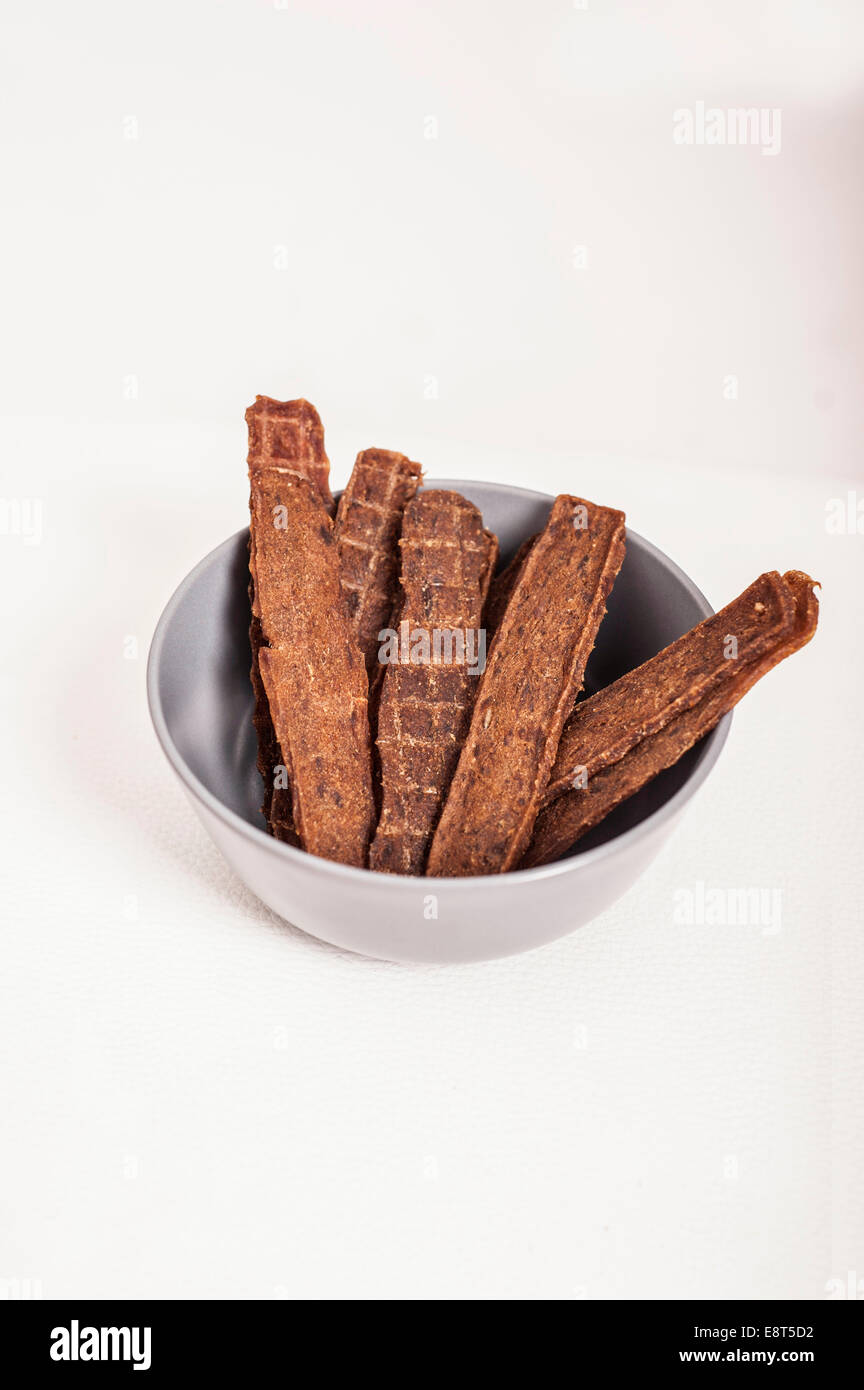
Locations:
207 200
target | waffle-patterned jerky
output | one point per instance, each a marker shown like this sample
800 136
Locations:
288 435
285 436
602 729
572 814
427 692
533 675
368 523
311 667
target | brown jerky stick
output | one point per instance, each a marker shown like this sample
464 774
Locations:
312 670
368 522
602 729
284 436
427 691
503 585
288 435
533 675
269 756
561 824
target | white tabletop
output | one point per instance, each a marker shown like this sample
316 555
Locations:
205 1101
199 1100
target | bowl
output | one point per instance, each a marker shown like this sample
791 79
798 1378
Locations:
201 705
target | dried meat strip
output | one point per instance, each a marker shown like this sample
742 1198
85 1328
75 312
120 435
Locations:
600 730
572 814
427 692
277 804
368 524
502 587
533 675
289 436
312 669
285 436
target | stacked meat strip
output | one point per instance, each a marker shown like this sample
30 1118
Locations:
415 715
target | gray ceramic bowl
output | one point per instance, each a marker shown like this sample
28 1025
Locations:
201 703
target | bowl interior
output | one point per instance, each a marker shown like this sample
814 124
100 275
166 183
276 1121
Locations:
202 677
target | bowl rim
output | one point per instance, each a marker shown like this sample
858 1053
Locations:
290 854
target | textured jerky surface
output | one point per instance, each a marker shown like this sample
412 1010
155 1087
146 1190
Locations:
283 435
368 524
289 435
533 675
601 730
502 586
424 706
269 755
311 668
566 819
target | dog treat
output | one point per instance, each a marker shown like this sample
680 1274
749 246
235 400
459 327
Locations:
602 729
284 436
534 673
416 714
576 811
269 756
429 686
311 667
368 523
289 436
503 585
